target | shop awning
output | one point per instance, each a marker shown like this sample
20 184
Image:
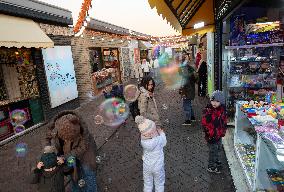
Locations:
184 14
20 32
144 45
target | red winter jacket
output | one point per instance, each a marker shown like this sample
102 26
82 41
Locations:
214 122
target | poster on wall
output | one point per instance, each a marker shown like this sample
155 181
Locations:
60 74
210 62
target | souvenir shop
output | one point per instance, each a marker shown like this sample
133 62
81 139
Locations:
20 106
253 40
105 66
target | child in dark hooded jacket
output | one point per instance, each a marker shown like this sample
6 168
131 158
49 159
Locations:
214 122
50 171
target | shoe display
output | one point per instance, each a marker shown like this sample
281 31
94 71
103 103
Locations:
187 122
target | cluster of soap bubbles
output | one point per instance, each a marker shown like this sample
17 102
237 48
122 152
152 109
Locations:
18 118
21 149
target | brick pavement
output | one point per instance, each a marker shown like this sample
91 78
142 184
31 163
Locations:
186 154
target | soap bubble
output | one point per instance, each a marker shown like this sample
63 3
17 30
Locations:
131 92
165 107
19 128
109 180
81 183
71 161
114 111
171 76
21 149
98 159
19 117
99 120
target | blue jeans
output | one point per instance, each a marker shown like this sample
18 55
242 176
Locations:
89 177
187 107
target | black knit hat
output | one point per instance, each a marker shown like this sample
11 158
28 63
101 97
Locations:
49 160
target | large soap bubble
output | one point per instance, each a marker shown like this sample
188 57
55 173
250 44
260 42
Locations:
114 111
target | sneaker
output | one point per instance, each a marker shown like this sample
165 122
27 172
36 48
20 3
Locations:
193 118
187 122
213 170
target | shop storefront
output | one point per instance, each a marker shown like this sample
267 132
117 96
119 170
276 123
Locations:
26 100
250 57
252 45
20 106
99 58
105 65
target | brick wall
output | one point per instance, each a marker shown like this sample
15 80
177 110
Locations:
80 50
48 111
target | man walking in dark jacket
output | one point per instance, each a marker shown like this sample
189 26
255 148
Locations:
187 90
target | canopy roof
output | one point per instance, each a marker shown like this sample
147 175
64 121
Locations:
21 32
184 14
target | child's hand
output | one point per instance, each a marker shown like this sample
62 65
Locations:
60 160
40 165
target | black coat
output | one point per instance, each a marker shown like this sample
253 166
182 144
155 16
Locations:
52 181
189 79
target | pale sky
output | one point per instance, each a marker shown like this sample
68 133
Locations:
136 15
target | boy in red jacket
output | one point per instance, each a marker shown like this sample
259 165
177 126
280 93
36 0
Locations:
214 122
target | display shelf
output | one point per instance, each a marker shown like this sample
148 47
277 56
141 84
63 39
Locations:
265 154
249 172
254 46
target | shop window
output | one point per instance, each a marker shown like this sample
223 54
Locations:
20 106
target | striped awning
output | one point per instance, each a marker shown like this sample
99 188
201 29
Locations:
184 14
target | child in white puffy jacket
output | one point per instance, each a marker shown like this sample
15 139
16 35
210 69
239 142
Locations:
153 141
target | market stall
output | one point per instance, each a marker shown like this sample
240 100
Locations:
20 106
105 66
259 143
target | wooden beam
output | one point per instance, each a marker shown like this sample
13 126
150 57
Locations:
179 5
187 13
188 3
195 11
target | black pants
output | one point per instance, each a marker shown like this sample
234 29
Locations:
214 149
146 73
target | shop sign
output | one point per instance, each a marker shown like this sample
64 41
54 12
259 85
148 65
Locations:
60 74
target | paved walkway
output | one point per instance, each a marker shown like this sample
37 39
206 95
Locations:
186 154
